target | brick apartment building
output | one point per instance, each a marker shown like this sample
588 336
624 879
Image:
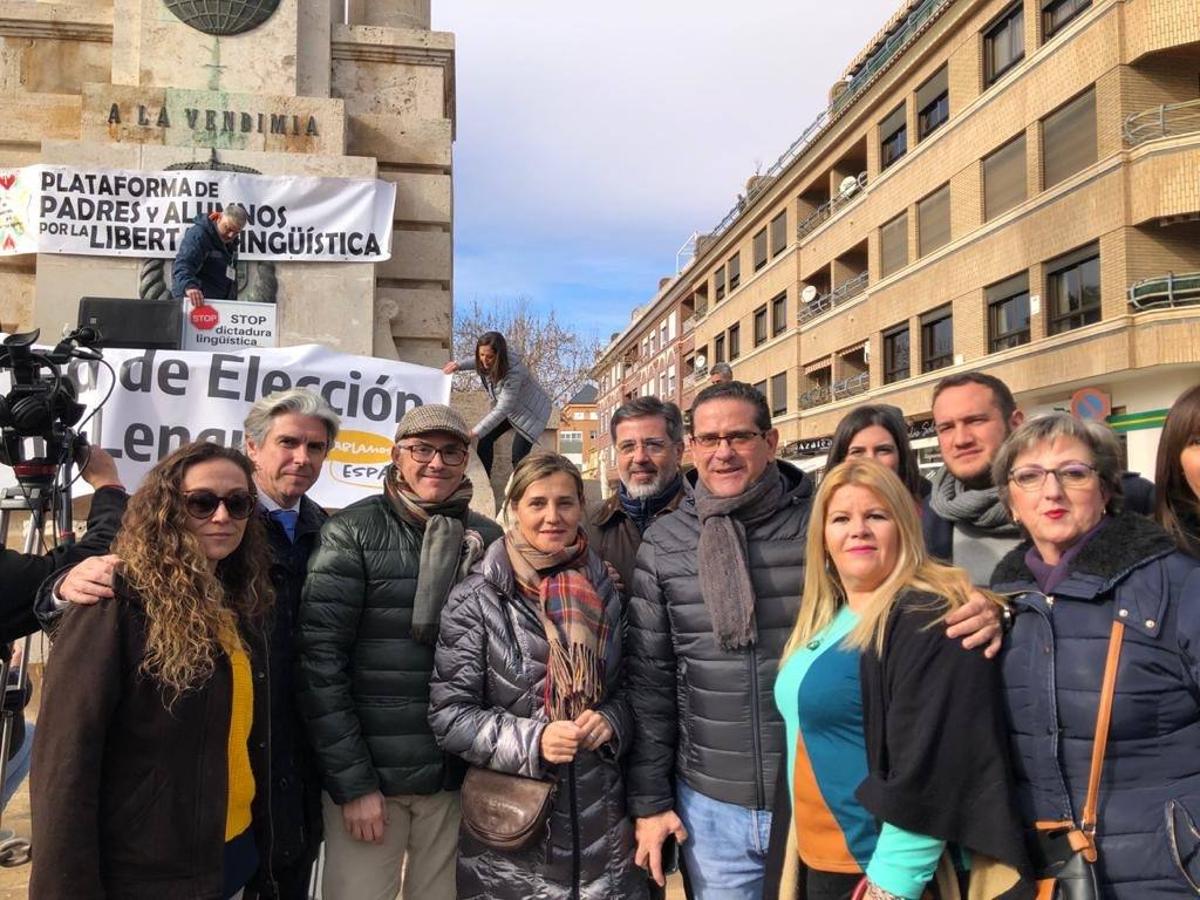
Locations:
1003 186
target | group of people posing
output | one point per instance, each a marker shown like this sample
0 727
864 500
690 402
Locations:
878 685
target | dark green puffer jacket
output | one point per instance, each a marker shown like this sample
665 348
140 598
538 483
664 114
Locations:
364 680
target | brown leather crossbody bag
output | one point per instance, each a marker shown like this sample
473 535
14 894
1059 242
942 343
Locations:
506 812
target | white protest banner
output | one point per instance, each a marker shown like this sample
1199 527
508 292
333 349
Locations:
228 324
166 398
118 212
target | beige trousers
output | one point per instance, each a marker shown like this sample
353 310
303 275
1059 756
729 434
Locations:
417 856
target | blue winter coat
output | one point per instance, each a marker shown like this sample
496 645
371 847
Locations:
202 261
1053 664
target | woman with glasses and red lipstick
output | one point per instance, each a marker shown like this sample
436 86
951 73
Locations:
151 754
1095 581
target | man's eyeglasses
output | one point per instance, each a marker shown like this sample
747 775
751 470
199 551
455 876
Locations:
652 446
738 440
423 453
1072 475
203 504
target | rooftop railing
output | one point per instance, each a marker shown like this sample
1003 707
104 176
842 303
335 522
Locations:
1165 291
896 41
839 295
826 210
1165 120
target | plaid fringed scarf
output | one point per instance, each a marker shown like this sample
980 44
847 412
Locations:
573 616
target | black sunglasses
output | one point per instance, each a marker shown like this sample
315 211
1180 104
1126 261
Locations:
203 504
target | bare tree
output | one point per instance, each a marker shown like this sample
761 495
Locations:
558 356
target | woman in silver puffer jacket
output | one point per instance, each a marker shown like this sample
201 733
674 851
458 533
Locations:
502 698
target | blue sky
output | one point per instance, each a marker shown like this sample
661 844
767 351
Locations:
594 139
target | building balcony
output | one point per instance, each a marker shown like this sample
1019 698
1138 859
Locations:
689 323
839 295
849 387
829 208
817 396
1165 120
1165 291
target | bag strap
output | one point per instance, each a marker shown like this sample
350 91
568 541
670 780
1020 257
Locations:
1100 742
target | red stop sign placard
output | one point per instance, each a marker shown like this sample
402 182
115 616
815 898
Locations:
204 317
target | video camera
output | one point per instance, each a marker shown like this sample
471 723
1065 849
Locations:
41 404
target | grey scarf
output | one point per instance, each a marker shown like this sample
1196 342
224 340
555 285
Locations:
724 568
448 547
982 509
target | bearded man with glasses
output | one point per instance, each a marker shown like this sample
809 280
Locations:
368 627
648 436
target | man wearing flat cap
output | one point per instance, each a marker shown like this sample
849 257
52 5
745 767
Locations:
368 626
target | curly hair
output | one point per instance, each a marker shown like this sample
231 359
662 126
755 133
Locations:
188 609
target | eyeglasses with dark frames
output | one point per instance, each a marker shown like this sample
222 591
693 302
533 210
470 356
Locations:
738 440
653 446
1072 475
423 453
203 504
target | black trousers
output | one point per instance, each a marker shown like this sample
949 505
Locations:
829 885
487 446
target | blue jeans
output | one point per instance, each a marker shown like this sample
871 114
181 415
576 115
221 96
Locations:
18 766
726 850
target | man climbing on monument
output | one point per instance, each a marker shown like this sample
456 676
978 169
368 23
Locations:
206 264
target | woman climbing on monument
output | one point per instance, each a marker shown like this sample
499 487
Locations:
518 401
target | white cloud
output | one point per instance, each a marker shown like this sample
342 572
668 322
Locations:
610 125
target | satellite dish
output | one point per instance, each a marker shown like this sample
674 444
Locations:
701 361
848 186
809 294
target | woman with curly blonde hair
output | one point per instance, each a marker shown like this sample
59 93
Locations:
152 749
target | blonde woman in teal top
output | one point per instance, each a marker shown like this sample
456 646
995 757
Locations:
895 734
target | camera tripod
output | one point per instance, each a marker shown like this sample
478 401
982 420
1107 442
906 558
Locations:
43 490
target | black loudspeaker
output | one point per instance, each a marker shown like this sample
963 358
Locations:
137 324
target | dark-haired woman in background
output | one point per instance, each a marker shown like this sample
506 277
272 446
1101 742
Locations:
148 764
1177 475
518 401
879 433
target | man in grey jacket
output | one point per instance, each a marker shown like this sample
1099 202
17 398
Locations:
715 596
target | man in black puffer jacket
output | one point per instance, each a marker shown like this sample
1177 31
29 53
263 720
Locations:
715 596
368 627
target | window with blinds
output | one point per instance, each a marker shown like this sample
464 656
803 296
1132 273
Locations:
893 136
735 270
1008 313
760 249
933 221
896 366
779 322
1073 289
779 233
933 103
1069 139
719 349
1057 13
1004 43
735 342
1004 181
937 339
760 326
893 245
779 403
719 284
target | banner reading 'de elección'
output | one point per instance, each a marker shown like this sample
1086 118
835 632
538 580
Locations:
166 398
117 212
